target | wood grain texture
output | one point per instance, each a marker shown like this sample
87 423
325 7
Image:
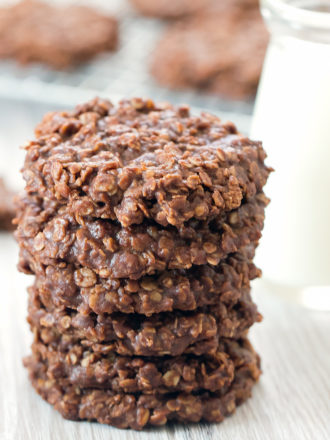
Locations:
292 400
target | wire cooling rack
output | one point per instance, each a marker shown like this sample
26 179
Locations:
114 75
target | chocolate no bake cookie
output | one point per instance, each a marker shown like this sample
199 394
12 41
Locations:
85 367
59 36
182 8
65 285
126 410
169 9
140 223
142 161
172 334
7 208
109 249
220 51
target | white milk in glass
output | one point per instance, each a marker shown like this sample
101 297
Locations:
292 118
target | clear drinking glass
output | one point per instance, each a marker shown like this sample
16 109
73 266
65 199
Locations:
292 118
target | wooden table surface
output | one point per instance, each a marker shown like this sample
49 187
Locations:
291 401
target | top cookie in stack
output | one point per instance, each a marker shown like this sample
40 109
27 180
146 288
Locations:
140 222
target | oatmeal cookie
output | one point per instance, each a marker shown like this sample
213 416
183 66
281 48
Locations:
139 161
137 410
36 31
220 52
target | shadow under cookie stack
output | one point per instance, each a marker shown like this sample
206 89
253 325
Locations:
140 223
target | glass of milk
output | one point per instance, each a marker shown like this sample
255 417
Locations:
292 118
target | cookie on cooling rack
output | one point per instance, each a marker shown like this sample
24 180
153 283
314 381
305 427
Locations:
61 37
219 51
169 9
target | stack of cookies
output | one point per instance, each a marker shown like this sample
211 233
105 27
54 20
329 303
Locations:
140 223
